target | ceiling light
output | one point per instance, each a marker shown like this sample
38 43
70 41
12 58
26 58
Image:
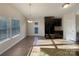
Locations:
30 16
66 5
29 21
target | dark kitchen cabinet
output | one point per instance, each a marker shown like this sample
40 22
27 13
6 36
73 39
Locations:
50 24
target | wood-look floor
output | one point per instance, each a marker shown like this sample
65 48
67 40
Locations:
26 46
20 49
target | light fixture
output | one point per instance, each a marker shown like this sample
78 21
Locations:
66 5
30 16
29 21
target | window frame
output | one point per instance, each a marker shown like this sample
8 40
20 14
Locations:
9 29
13 36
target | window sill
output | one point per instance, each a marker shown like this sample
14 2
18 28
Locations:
4 40
8 39
15 36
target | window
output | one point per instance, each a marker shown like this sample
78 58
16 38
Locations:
36 30
3 29
36 23
8 29
15 27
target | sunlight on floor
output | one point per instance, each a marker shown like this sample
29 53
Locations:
73 46
45 42
48 47
36 52
62 42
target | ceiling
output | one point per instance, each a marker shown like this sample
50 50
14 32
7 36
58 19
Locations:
45 9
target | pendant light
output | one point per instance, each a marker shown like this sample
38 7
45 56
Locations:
66 5
30 16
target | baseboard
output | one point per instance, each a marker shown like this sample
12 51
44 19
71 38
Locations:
34 36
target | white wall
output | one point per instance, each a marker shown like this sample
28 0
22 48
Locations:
77 23
10 12
69 26
41 30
